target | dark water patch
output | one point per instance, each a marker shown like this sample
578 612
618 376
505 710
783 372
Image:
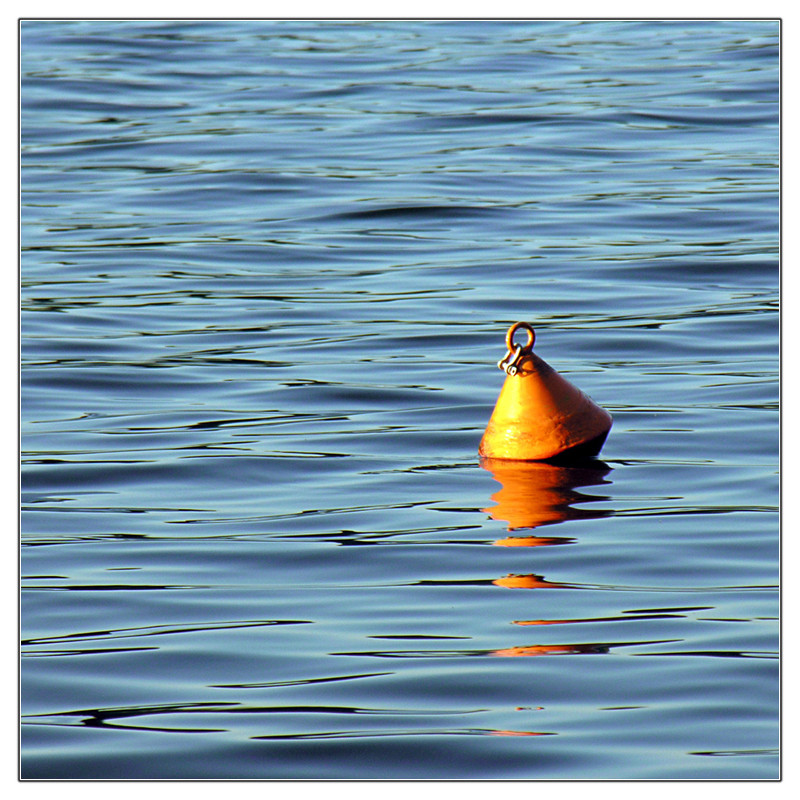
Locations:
414 212
100 107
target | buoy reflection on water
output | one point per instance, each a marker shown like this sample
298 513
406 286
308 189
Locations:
536 493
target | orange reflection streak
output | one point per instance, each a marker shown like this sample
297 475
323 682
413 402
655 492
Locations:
550 649
626 618
528 582
530 541
540 493
517 733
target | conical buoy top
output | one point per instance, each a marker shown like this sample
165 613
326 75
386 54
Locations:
539 415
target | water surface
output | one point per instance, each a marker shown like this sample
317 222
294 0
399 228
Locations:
267 270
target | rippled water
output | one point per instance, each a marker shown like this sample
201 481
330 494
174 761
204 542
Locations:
267 271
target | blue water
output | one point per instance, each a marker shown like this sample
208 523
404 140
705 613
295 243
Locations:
267 270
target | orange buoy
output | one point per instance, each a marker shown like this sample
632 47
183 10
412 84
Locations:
540 415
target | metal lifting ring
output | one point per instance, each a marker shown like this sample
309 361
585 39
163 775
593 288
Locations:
509 362
528 346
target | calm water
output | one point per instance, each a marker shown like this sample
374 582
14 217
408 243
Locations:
267 271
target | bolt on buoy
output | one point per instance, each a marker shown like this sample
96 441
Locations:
540 415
